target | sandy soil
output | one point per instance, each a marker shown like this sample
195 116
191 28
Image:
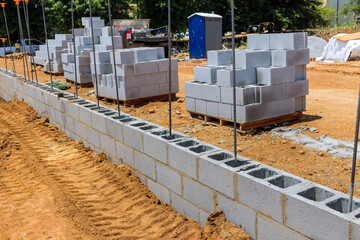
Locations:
54 188
331 108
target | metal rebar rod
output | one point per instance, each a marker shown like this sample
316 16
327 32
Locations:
234 78
74 49
5 56
93 47
22 48
356 139
24 57
29 37
47 45
32 62
8 36
114 61
169 53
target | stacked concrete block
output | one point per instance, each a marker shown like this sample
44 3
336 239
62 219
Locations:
84 48
270 79
56 47
140 73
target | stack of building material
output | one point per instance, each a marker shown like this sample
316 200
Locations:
57 46
270 79
83 49
141 73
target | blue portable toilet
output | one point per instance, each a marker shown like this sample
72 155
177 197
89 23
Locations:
205 34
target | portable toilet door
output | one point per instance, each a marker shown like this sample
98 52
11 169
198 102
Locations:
205 34
197 44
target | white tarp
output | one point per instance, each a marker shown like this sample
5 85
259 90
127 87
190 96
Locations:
340 51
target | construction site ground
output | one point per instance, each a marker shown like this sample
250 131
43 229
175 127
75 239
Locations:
54 188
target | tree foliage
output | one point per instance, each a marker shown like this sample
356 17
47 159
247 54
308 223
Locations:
290 14
352 7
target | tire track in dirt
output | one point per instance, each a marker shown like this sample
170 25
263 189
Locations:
101 199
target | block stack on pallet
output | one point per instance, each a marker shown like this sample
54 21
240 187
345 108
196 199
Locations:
57 46
270 80
141 73
83 49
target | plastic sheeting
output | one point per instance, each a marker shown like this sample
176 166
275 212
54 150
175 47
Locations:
340 51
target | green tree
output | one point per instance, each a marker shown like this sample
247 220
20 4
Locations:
352 7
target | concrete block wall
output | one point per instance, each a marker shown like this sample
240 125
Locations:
270 79
57 46
83 50
141 73
196 178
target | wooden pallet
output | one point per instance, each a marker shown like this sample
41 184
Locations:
138 101
82 85
54 73
241 127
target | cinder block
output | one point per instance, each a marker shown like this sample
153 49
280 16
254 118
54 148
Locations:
114 129
203 217
145 164
145 54
160 191
210 92
243 77
205 74
184 207
155 78
244 95
125 153
101 68
147 67
100 57
106 31
97 22
219 57
212 109
215 174
270 93
242 216
183 155
308 210
155 143
253 112
67 58
297 89
288 41
98 122
300 103
300 72
132 81
124 57
247 59
226 111
164 88
284 58
282 107
80 130
193 89
125 70
200 106
149 91
168 177
271 230
198 194
258 41
79 32
164 65
107 144
190 104
93 136
133 136
275 75
256 192
106 40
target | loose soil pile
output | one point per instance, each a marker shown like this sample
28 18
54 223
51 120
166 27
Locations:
54 188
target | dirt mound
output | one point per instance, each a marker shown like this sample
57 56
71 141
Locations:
53 187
